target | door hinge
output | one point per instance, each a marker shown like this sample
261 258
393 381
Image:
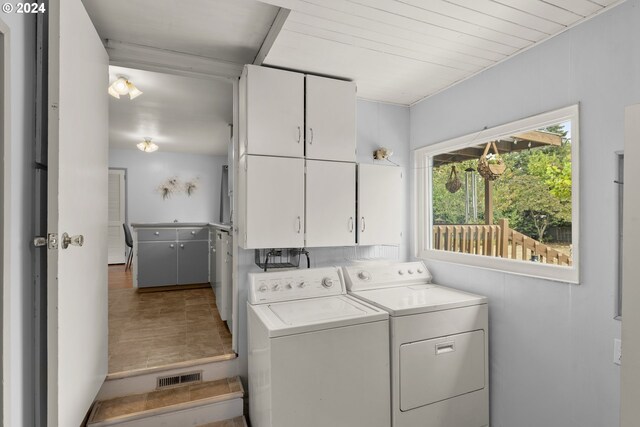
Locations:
51 241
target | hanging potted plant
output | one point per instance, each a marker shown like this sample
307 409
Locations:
453 184
491 165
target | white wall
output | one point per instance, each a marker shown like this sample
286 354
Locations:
18 387
551 344
378 125
146 171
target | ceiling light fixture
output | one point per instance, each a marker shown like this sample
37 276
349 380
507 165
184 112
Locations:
122 86
147 146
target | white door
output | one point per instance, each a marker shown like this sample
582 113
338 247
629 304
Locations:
630 376
117 246
379 204
330 119
272 116
275 202
331 203
77 204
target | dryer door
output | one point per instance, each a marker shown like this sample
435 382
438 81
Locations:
441 368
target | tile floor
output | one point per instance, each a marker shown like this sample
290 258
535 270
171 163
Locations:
154 329
128 405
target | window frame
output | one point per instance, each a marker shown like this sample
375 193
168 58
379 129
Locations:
423 198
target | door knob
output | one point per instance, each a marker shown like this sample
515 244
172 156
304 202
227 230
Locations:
72 240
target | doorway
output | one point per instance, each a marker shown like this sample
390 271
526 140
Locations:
118 249
163 312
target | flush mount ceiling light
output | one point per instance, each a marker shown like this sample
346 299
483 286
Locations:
147 146
122 86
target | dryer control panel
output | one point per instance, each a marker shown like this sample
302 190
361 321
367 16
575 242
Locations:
385 275
295 284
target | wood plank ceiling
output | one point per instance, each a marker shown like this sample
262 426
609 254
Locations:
401 51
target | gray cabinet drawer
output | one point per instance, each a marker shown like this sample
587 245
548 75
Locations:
156 234
193 234
157 264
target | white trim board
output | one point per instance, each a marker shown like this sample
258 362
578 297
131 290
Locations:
423 206
5 221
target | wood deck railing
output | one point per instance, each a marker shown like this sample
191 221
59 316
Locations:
495 240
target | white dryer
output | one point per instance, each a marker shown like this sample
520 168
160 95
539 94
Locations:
317 357
439 345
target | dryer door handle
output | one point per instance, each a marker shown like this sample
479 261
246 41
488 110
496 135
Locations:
445 347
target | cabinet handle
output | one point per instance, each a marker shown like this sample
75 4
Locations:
311 136
350 224
157 233
299 225
364 226
299 134
193 233
182 246
172 246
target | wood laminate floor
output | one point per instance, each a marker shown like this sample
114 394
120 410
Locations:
151 330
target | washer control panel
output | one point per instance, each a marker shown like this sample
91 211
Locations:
384 275
289 285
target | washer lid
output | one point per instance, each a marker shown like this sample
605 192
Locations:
414 299
314 314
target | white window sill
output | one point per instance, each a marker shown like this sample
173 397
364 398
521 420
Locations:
524 268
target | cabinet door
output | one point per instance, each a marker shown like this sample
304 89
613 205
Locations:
275 202
331 203
157 264
274 112
193 262
379 204
330 132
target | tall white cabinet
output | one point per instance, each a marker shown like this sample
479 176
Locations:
379 204
297 168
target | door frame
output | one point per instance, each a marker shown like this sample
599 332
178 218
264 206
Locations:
126 204
5 218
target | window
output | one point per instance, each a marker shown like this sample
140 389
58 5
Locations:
504 198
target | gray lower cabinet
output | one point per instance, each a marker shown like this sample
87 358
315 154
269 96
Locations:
172 256
193 262
157 264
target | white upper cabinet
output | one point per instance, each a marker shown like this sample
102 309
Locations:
379 204
273 206
272 112
331 204
330 132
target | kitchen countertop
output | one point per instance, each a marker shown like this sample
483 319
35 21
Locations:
226 227
168 224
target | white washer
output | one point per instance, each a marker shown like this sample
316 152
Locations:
317 357
439 345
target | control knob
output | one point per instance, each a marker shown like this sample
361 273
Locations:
276 287
327 282
263 288
420 271
364 275
401 272
302 285
410 271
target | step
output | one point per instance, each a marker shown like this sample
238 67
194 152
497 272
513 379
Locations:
192 404
144 380
235 422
